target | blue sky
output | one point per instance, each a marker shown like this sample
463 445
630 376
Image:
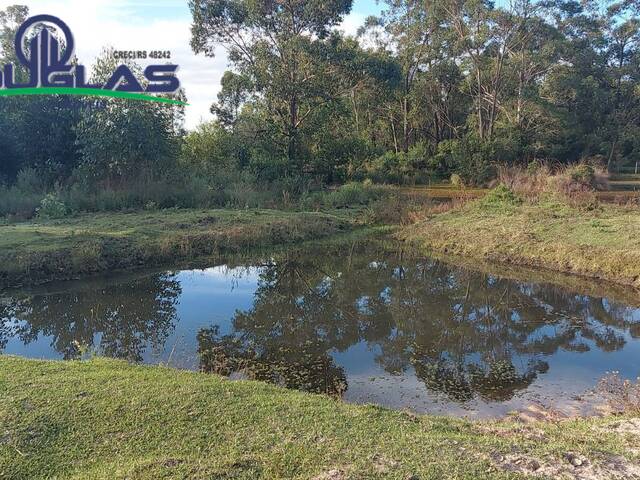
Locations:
168 9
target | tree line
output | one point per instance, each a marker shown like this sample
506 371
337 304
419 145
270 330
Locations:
428 87
424 90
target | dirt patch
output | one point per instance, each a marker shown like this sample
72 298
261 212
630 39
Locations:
172 462
630 426
527 432
334 474
571 466
382 464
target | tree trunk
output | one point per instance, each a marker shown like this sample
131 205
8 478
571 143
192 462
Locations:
355 110
395 136
293 132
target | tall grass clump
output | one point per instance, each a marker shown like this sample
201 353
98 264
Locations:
18 205
20 200
527 182
575 183
348 195
501 198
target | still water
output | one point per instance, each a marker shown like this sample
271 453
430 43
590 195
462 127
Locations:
364 321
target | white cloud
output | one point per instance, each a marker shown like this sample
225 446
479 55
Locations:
102 23
140 25
351 23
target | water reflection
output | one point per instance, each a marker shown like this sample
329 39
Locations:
306 367
362 321
119 321
463 333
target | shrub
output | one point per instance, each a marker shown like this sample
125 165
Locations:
51 207
576 181
583 174
528 182
30 181
573 183
348 195
469 157
353 194
500 197
18 204
400 168
456 180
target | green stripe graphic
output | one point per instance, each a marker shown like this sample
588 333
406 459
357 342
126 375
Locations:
87 92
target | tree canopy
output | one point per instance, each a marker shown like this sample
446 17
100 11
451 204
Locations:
425 90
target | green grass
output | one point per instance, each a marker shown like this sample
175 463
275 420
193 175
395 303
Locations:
43 250
105 419
602 242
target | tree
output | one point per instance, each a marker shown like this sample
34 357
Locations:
35 132
121 139
278 46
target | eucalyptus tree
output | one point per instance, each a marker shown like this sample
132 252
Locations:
484 36
279 47
622 30
122 140
413 32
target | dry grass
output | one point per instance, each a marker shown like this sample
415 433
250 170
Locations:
577 183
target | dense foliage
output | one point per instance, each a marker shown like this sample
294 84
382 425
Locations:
428 89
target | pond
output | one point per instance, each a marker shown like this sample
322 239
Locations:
366 321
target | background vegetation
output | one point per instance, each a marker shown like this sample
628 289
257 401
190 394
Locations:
428 90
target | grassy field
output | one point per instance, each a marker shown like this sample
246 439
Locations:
33 252
600 241
105 419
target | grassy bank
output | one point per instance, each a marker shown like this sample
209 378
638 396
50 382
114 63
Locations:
42 250
596 240
108 419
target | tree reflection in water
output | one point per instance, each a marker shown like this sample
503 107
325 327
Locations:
305 367
125 318
465 334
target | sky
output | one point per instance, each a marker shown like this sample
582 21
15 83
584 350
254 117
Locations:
155 25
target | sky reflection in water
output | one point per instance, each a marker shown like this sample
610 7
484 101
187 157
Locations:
363 321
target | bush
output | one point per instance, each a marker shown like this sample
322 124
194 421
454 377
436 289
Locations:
468 157
528 182
353 194
18 204
582 174
51 207
400 168
456 180
500 197
576 184
29 181
348 195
